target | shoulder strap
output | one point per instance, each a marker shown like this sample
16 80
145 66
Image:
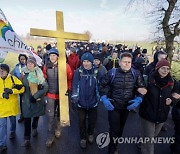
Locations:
95 73
12 80
80 72
113 73
135 74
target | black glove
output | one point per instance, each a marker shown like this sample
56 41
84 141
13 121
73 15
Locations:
7 90
32 99
18 86
40 87
5 95
74 106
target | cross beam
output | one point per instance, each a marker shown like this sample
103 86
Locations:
60 35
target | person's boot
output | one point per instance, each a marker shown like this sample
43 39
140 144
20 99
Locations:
175 148
21 119
49 142
83 143
139 145
58 129
164 128
12 135
114 152
112 148
34 132
57 133
2 149
26 143
91 138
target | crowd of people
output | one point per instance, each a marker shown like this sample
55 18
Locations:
119 77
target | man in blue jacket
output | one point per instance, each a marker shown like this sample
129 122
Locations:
85 97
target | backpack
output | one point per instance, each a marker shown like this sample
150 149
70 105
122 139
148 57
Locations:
95 76
12 80
113 73
16 86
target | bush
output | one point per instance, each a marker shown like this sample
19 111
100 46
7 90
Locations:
175 71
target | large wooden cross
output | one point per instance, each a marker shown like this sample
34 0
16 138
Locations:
60 35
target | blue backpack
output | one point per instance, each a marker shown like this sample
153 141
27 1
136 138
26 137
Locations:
95 74
113 73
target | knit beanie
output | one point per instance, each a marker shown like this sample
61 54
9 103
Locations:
162 63
32 60
87 56
53 51
5 67
97 56
48 47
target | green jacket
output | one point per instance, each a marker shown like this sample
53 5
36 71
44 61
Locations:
36 109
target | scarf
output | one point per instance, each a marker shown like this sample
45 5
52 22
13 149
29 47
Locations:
35 76
161 82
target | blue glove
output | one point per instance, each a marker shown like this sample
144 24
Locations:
107 103
134 103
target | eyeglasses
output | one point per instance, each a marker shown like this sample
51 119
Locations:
165 68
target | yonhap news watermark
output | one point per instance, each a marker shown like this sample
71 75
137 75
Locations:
103 140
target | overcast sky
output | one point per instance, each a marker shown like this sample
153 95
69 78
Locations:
105 19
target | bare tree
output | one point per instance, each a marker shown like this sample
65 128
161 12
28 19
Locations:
88 33
166 15
170 30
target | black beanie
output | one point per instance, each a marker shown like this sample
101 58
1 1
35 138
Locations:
5 67
48 47
98 56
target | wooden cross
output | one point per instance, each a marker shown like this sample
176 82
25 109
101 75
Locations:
60 35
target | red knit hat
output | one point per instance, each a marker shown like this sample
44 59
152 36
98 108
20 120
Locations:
162 63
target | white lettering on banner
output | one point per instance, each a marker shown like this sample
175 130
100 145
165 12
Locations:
12 42
16 42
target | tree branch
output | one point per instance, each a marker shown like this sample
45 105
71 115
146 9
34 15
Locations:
167 16
177 29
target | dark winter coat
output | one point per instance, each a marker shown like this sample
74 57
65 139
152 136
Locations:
85 86
123 87
33 109
109 62
154 108
150 68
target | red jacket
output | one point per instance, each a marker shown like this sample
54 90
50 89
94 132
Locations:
73 61
69 77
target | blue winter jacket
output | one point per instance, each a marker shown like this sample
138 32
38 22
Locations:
85 87
17 70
